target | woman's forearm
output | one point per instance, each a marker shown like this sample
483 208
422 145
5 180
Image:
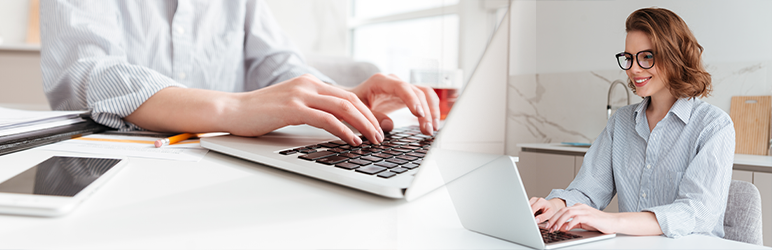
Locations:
638 223
186 110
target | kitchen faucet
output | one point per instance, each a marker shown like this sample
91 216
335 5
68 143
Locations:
608 101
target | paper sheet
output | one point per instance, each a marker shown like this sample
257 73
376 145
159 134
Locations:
132 146
14 117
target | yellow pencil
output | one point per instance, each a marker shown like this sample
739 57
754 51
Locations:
173 139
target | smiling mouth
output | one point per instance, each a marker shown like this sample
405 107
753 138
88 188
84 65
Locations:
641 81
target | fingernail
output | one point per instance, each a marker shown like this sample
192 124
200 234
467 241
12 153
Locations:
436 123
420 110
379 137
386 124
429 127
357 141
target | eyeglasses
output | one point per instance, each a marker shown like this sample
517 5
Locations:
645 59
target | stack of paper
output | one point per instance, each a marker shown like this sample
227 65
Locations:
21 129
14 121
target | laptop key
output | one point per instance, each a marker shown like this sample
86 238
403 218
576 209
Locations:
359 152
329 145
416 154
386 164
288 152
397 161
398 170
349 155
386 175
371 169
407 158
347 166
360 162
307 150
316 155
337 150
418 161
371 158
382 155
332 160
381 147
410 165
392 152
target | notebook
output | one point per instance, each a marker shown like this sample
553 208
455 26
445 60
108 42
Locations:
491 200
405 167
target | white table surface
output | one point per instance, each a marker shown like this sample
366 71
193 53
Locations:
223 202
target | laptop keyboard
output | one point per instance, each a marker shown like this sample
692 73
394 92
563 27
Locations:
556 236
402 150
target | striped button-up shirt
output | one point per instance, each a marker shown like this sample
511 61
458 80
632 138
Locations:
680 170
110 56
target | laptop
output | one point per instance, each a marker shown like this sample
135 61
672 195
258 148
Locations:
491 200
404 166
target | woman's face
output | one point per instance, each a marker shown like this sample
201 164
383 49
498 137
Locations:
647 82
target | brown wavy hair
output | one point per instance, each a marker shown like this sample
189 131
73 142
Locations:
677 54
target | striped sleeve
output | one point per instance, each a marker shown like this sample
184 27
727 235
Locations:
270 56
85 67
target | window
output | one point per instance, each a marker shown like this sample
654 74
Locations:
401 35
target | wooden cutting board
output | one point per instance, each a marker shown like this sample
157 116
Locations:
751 117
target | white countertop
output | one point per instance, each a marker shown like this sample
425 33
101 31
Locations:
20 47
741 161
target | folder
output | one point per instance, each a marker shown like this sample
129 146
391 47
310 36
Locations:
20 130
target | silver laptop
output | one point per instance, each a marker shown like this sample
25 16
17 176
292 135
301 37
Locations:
491 200
406 166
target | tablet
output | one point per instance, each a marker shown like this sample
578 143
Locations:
57 185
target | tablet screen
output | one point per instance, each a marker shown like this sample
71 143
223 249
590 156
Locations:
59 176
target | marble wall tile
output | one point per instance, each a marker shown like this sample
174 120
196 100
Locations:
571 107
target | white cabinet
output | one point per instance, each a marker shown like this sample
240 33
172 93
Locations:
763 182
742 175
543 172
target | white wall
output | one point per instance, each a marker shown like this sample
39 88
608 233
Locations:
13 21
584 35
317 27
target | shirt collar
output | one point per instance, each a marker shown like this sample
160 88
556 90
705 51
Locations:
682 109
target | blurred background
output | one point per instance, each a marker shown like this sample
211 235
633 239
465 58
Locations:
396 36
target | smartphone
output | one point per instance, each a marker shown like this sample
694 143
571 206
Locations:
56 186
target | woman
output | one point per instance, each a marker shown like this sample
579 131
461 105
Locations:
669 158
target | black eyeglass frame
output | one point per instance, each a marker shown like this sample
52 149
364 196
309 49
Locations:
635 58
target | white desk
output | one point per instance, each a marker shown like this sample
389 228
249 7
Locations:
224 202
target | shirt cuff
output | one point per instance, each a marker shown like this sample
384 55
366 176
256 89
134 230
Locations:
569 197
674 222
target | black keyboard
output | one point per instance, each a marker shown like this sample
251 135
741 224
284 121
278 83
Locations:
556 236
402 150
